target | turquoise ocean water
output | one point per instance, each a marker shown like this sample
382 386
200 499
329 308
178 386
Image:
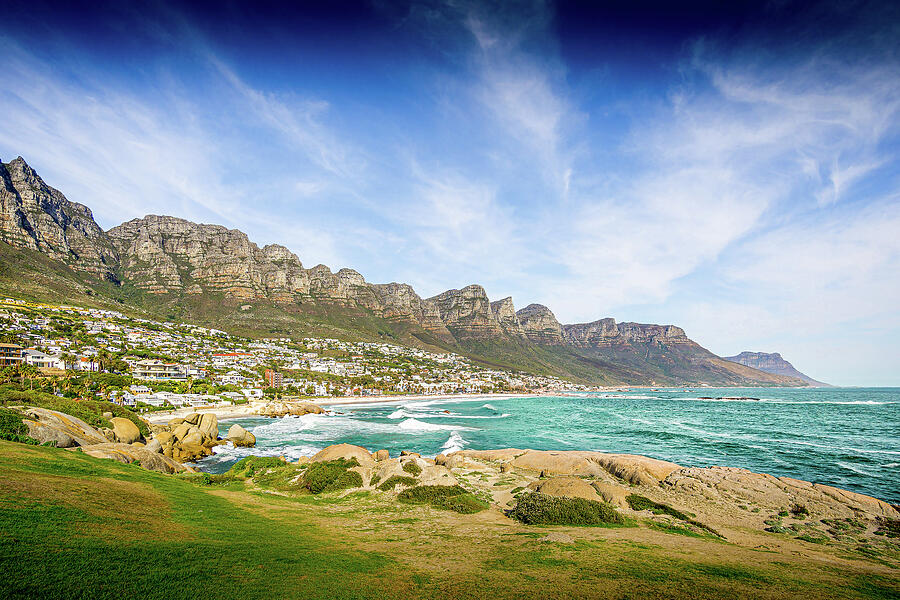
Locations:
847 437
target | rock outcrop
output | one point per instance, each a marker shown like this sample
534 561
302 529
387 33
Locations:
65 430
283 408
127 453
505 314
240 437
188 439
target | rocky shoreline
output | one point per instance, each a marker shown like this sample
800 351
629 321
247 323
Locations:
729 502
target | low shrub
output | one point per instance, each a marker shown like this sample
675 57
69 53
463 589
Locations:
888 527
411 467
13 429
639 503
331 476
392 482
539 509
250 466
446 497
799 511
657 508
375 479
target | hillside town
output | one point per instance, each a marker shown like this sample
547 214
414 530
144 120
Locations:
161 365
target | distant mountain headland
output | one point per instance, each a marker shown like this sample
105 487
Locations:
775 364
176 269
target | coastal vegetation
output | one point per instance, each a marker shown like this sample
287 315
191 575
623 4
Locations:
639 503
539 509
446 497
391 482
90 411
13 429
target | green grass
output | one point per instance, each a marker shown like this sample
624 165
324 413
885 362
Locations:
445 497
539 509
125 533
888 527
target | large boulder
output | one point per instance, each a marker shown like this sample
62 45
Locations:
195 437
49 425
239 436
347 451
382 455
154 446
47 434
612 493
126 453
181 430
125 431
209 425
568 487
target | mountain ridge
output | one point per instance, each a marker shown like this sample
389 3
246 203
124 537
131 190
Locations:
773 362
218 275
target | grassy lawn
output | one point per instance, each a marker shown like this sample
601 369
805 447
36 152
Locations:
77 527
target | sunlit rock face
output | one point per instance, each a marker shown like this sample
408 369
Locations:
36 216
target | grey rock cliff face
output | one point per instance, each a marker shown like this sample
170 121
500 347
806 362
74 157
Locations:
505 314
540 325
606 332
467 310
36 216
164 254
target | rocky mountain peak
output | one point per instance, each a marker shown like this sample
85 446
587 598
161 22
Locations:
540 324
36 216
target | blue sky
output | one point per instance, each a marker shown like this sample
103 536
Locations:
730 169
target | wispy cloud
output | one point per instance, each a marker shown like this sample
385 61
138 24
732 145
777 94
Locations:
126 155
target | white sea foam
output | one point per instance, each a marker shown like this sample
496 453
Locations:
489 406
416 425
228 452
454 442
854 468
398 414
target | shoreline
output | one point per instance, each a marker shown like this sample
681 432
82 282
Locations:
251 409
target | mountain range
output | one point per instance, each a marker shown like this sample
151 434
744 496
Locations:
167 267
